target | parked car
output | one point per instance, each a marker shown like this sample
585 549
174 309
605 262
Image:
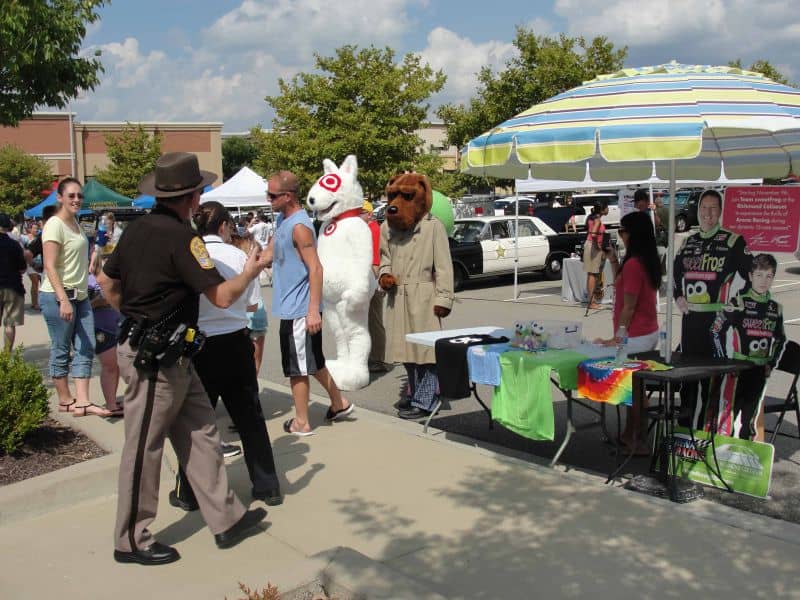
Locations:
582 204
686 202
486 247
527 206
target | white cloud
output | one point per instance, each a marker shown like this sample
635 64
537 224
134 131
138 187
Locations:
461 60
294 29
237 60
691 31
125 66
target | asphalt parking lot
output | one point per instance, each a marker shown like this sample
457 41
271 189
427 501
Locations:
492 302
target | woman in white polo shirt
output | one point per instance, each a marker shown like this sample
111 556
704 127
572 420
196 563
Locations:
225 364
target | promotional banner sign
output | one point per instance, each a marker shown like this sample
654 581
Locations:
767 216
744 465
625 201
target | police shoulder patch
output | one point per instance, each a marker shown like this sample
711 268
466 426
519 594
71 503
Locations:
198 249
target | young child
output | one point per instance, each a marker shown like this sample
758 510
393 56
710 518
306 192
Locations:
751 328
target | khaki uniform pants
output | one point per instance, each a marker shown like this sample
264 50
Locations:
176 408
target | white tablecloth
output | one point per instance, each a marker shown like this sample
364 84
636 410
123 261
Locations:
573 281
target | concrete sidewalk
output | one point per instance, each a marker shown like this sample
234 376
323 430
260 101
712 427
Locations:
380 507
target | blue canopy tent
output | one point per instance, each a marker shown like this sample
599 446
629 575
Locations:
147 202
36 211
144 202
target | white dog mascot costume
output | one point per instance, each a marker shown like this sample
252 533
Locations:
345 251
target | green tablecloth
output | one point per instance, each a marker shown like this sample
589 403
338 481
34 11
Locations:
523 402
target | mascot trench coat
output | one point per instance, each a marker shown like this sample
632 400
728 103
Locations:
420 261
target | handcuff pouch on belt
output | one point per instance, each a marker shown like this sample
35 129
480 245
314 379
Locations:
160 345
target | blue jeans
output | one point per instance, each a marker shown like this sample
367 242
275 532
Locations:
79 332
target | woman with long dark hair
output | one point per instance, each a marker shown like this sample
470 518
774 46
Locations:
593 251
225 364
636 282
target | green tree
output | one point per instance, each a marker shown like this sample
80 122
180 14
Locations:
544 67
764 67
40 42
22 178
133 153
358 102
237 152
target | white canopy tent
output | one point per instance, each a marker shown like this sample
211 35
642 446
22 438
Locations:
246 189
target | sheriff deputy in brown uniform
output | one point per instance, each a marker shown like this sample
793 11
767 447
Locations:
154 277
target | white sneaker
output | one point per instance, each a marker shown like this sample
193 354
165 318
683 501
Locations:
229 450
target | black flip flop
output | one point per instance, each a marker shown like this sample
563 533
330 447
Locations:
335 415
287 427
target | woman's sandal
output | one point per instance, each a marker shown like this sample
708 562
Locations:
66 407
98 412
116 413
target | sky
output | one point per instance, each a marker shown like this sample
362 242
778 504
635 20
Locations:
216 60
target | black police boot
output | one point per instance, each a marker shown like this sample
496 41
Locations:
155 554
241 529
183 496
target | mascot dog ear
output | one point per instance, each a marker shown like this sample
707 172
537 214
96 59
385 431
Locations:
328 166
426 186
349 165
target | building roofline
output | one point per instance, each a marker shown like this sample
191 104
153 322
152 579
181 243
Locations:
166 125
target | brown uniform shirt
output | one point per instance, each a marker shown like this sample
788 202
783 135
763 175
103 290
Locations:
163 265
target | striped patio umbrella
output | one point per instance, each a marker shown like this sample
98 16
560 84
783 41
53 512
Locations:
711 121
694 121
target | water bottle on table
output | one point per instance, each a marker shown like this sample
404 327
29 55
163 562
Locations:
622 342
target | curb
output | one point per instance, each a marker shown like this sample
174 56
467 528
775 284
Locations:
763 525
59 489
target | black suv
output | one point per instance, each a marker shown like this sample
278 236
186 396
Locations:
526 207
685 208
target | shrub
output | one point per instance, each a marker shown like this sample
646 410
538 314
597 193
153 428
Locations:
23 400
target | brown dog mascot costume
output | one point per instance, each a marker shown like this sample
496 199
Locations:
417 272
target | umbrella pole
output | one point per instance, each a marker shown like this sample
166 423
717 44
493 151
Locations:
516 240
670 261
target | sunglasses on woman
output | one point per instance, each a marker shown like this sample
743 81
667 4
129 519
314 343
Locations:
74 195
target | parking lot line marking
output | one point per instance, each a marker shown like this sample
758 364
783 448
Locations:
528 297
788 262
791 320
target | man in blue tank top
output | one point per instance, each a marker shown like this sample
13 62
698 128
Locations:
296 301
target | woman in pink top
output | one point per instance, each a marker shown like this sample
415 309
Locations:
593 250
635 282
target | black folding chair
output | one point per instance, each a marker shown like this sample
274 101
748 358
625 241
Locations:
789 363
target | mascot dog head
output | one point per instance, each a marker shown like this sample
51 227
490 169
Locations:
337 190
410 198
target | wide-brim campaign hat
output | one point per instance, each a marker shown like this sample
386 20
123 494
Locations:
176 174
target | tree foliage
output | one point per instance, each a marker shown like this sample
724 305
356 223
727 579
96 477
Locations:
237 152
40 42
544 67
358 102
133 153
764 67
22 178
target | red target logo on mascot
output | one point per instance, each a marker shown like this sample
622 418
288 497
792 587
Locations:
330 182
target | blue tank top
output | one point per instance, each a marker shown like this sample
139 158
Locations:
290 289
